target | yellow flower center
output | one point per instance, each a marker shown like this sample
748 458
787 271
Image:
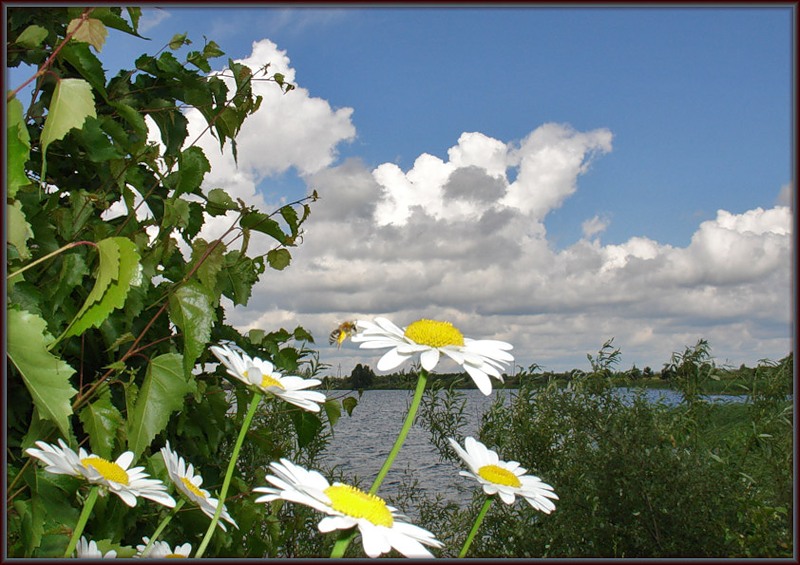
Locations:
266 380
499 476
359 504
110 471
191 488
178 555
434 333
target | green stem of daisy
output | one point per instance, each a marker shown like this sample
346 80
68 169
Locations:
167 519
88 504
251 411
346 536
476 525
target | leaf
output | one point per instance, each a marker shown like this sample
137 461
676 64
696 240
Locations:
101 420
119 267
279 259
32 37
264 224
90 30
190 308
219 202
192 167
71 104
18 231
333 409
306 425
178 40
349 404
208 270
18 148
162 393
88 65
31 514
45 375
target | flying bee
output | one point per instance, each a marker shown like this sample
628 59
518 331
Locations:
341 333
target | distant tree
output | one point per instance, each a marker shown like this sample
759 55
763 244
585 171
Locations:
361 377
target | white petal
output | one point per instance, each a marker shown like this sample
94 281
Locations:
390 360
429 359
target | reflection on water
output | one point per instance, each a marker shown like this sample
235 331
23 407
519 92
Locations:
361 442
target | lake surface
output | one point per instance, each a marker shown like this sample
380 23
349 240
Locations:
362 441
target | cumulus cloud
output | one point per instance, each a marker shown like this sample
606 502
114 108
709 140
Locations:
462 237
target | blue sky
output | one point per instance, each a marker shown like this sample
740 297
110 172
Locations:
552 177
699 100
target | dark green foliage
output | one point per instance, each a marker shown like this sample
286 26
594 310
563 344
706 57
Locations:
361 377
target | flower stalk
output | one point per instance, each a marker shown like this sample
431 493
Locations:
231 466
475 526
88 505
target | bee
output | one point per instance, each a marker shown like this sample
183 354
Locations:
341 333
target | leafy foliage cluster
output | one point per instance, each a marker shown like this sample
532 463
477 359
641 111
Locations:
636 478
112 298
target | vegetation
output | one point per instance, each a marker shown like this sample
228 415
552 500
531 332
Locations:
635 478
112 297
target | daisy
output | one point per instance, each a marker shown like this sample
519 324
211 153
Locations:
161 550
504 478
117 477
430 338
89 550
189 484
381 527
261 375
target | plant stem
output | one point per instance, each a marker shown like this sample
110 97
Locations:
346 536
476 525
226 483
401 438
49 255
82 519
167 519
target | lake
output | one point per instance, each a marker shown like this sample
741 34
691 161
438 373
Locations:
362 441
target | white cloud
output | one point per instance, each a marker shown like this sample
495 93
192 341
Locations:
786 196
455 238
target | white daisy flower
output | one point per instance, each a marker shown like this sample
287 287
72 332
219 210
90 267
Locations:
504 478
189 484
89 550
381 527
261 374
480 358
128 484
161 550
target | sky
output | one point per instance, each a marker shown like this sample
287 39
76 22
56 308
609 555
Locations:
552 177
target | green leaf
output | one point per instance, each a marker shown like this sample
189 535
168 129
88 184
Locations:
18 148
349 404
211 50
178 40
212 263
162 393
101 420
279 259
32 37
71 104
190 308
192 167
90 30
333 409
98 146
88 65
119 267
219 202
306 425
290 215
31 513
18 231
45 375
264 224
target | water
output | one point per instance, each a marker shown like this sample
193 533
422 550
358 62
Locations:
361 442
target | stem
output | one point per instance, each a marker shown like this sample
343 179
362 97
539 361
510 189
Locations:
82 519
346 536
226 483
49 255
167 519
476 525
412 413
